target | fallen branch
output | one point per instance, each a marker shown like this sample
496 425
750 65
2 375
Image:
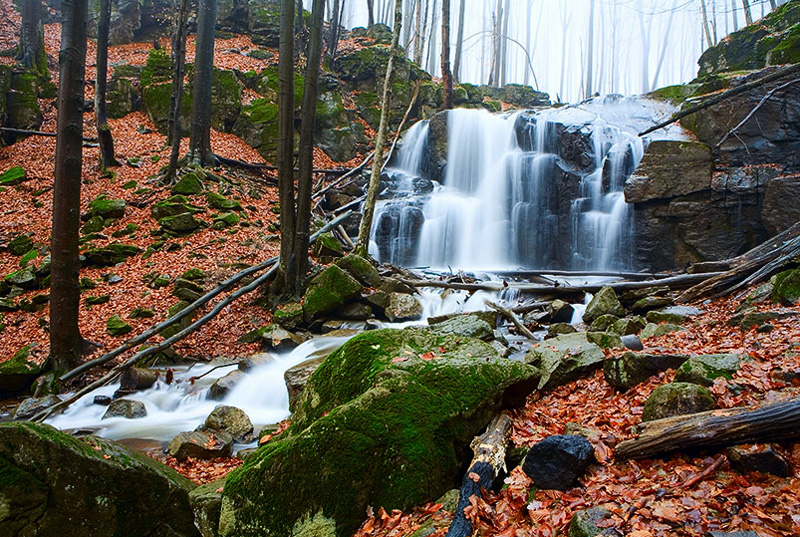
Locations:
717 428
705 473
511 316
340 180
489 460
269 167
39 133
723 96
633 276
761 103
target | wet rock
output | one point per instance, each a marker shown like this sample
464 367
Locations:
632 342
556 462
605 302
758 458
289 316
33 405
137 378
200 445
273 337
673 315
584 523
360 269
464 326
354 311
677 399
560 329
564 359
560 311
603 323
651 303
206 503
230 420
126 408
296 378
18 373
257 360
669 169
658 330
703 370
626 371
102 400
403 307
330 289
224 385
786 288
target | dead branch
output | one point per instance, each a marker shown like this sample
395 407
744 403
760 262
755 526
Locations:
511 316
269 167
705 473
40 133
761 103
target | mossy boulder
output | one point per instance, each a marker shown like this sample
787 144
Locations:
105 207
200 445
18 373
172 206
188 185
156 102
265 22
122 96
360 269
329 290
785 287
187 290
658 330
24 278
564 358
328 246
52 481
20 245
605 302
386 420
258 126
673 315
181 223
289 316
94 224
117 327
626 371
112 254
13 176
206 502
703 370
464 326
23 102
226 220
677 399
218 201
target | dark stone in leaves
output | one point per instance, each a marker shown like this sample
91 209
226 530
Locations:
557 461
756 458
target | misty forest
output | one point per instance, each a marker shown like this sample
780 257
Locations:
399 268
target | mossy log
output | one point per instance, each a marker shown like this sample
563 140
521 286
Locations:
488 462
716 428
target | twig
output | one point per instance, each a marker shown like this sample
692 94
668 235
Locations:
756 109
510 315
339 181
705 473
402 123
39 133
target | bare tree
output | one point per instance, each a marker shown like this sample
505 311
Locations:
106 141
590 53
65 336
371 12
362 246
333 38
734 16
664 46
748 15
174 128
200 134
706 27
447 76
565 19
30 51
459 41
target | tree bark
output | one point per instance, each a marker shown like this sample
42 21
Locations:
333 37
30 52
104 137
447 76
174 127
306 164
459 41
370 12
200 136
717 428
65 337
748 15
419 32
362 245
590 54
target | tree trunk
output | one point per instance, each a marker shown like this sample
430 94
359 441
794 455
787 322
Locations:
104 137
299 30
200 136
333 38
174 127
284 284
459 41
667 33
306 164
706 28
447 76
362 246
65 337
418 32
590 53
370 13
717 428
734 16
30 52
527 79
748 15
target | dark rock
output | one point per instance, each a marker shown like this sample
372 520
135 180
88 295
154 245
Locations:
257 360
605 302
18 373
758 458
360 269
632 342
230 420
670 169
102 400
651 303
354 311
112 254
703 370
117 327
626 371
20 245
125 408
628 326
296 378
403 307
187 290
560 329
677 399
180 224
206 502
673 315
24 278
564 359
137 378
629 298
273 337
786 288
777 214
55 484
556 462
329 290
200 445
224 385
749 319
33 405
560 311
107 208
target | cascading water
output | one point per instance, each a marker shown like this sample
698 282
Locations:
531 190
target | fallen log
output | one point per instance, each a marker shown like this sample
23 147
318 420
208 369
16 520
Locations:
511 316
25 132
525 274
489 460
271 168
717 428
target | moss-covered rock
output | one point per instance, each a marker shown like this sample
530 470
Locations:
94 224
122 97
181 223
289 316
603 323
218 201
206 502
584 523
117 327
605 302
328 246
564 358
703 370
225 220
677 399
188 185
385 421
258 126
673 315
17 373
626 371
172 206
20 245
265 22
13 176
329 290
112 254
187 290
360 269
23 102
464 326
658 330
156 102
785 287
52 481
106 207
24 278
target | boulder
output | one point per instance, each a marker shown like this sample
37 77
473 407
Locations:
112 254
776 213
658 330
117 327
265 22
13 176
172 206
330 289
289 316
464 326
758 458
628 326
180 224
560 311
563 359
20 245
226 220
257 360
703 370
218 201
137 378
673 315
105 207
651 303
786 288
374 426
403 307
297 377
24 278
327 246
18 373
605 302
125 408
360 269
584 523
560 329
273 337
200 445
54 483
206 502
354 311
603 323
632 342
187 290
222 386
231 421
556 462
626 371
677 399
669 169
33 405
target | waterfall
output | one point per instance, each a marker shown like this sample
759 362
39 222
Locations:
537 190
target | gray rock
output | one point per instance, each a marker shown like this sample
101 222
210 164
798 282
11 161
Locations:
206 502
603 323
632 342
560 311
31 406
626 371
673 315
126 408
224 385
778 214
464 326
296 378
187 290
758 458
628 326
560 329
257 360
605 302
677 399
584 523
749 319
669 169
557 461
658 330
403 307
651 303
230 420
564 359
200 445
354 311
273 337
703 370
137 378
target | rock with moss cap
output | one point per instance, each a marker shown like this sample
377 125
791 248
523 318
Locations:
786 288
24 278
703 370
188 185
20 245
206 502
13 176
328 246
18 373
180 224
53 481
112 254
226 220
329 290
117 327
673 314
360 269
173 206
106 207
677 399
385 420
626 371
658 330
218 201
605 302
564 358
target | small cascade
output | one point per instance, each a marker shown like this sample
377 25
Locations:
534 190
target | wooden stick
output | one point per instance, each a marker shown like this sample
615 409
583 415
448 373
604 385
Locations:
39 133
511 316
756 109
352 172
705 473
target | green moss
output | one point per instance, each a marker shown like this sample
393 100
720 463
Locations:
158 68
20 245
13 176
218 201
112 254
188 185
107 207
19 364
156 102
117 327
788 49
23 102
330 289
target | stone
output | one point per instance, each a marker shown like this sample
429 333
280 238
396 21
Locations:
194 275
112 254
13 176
626 371
758 458
464 326
584 522
563 359
34 405
256 360
669 169
200 445
673 315
230 420
278 339
658 330
605 302
20 245
94 224
330 289
18 373
105 207
603 323
296 378
137 378
749 319
651 303
628 326
289 315
327 246
560 329
786 288
224 385
24 278
187 290
226 220
560 311
97 300
172 206
677 399
218 201
101 400
703 370
206 503
188 185
632 342
181 224
776 213
556 462
629 298
395 459
360 269
125 408
55 484
117 327
403 307
354 311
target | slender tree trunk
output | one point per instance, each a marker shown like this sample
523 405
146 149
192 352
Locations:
299 30
200 135
645 33
362 246
459 41
174 127
371 12
663 55
590 53
748 15
734 16
565 18
284 282
65 336
333 38
506 15
432 38
419 32
104 137
527 79
447 76
706 27
306 164
30 52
